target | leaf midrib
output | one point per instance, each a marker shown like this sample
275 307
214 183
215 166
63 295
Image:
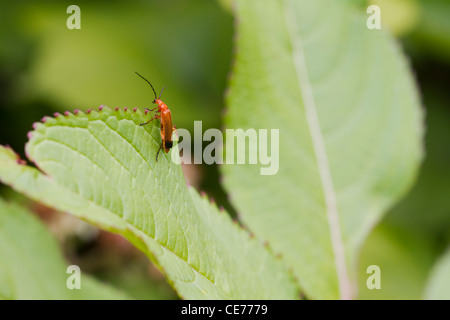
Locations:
301 71
132 175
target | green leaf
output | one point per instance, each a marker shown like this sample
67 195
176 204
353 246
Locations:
101 167
31 265
439 280
350 134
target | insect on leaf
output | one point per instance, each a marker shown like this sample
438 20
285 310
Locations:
101 167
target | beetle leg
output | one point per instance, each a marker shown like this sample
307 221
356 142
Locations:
155 117
159 151
150 109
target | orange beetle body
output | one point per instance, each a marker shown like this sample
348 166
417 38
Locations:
166 124
165 115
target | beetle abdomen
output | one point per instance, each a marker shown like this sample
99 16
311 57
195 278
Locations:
168 145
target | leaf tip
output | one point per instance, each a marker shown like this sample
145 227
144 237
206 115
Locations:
125 109
135 109
66 113
75 112
88 111
16 155
56 115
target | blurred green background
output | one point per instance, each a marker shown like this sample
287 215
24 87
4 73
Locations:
187 46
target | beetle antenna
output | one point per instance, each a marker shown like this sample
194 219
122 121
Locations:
148 83
161 92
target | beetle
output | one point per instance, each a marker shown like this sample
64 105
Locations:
165 115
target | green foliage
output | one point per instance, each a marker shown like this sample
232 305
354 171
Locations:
350 129
142 41
438 285
404 258
31 265
101 167
432 35
400 16
350 133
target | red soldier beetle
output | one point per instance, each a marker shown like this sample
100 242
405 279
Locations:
165 115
